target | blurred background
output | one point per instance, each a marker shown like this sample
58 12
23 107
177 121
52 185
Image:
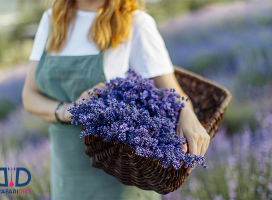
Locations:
226 41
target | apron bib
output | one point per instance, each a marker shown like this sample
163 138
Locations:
64 78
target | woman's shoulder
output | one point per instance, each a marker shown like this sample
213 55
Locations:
142 18
47 13
45 22
46 16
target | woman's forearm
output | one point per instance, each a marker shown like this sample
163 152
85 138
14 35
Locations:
183 94
41 106
170 81
37 103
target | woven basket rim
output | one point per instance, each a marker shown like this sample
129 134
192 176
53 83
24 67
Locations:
226 101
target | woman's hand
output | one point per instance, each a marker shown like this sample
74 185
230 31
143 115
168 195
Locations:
196 136
86 95
63 110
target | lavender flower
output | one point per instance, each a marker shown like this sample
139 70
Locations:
137 114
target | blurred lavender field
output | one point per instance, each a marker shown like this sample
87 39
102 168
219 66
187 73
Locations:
229 44
24 142
240 167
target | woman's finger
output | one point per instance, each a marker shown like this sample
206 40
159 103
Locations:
205 148
91 91
101 85
193 150
184 146
205 144
200 146
192 143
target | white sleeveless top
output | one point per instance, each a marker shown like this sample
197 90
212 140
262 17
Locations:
145 51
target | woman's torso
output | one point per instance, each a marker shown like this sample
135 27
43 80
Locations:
64 78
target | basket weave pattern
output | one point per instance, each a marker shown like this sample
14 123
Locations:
209 100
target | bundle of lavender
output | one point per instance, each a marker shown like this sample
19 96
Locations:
136 113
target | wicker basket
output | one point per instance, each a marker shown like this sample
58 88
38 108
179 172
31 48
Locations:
209 100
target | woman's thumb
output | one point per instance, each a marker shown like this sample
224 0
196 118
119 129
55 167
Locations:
100 85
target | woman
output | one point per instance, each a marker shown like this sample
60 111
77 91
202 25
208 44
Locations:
90 42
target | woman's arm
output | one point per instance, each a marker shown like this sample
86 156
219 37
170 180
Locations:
41 106
170 81
197 137
34 101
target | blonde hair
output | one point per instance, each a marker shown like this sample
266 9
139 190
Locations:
111 26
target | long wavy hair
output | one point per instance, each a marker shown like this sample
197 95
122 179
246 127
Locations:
111 26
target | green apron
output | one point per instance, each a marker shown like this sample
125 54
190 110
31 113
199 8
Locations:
64 78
